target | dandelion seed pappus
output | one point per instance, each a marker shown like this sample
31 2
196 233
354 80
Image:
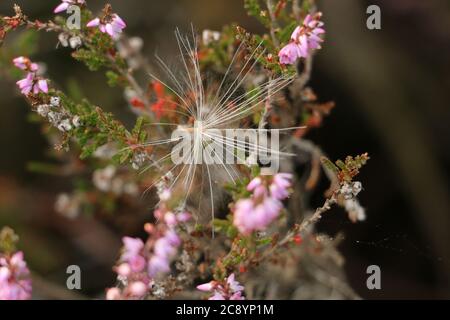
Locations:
212 140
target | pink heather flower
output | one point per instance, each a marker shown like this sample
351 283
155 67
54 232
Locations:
123 270
132 247
183 216
237 296
158 265
26 85
206 286
15 283
137 263
132 254
289 53
113 294
304 39
140 263
256 182
66 4
259 211
163 248
24 63
217 296
170 219
229 290
138 289
249 216
31 83
280 185
233 284
113 27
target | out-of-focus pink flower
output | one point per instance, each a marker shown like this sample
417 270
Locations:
250 215
137 263
163 252
138 288
141 263
42 85
183 216
112 25
123 270
280 185
289 53
256 182
24 63
132 247
26 84
264 206
206 287
157 265
66 4
237 296
15 282
234 285
304 39
31 83
229 289
217 296
113 294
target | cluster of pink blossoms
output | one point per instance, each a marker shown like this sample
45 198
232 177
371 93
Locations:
111 24
304 39
230 289
32 82
66 4
264 206
141 262
15 282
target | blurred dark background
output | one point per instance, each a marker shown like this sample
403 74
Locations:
392 91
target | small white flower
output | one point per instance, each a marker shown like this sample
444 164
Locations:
55 101
64 125
164 194
355 211
347 191
138 160
75 42
356 188
63 39
54 117
209 36
76 121
136 43
102 178
68 206
43 110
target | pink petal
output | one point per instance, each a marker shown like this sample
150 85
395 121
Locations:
205 287
295 34
26 90
62 7
93 23
119 21
254 183
42 84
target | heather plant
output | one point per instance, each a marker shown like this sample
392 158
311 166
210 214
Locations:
218 229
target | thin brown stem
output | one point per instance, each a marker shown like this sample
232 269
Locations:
273 22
